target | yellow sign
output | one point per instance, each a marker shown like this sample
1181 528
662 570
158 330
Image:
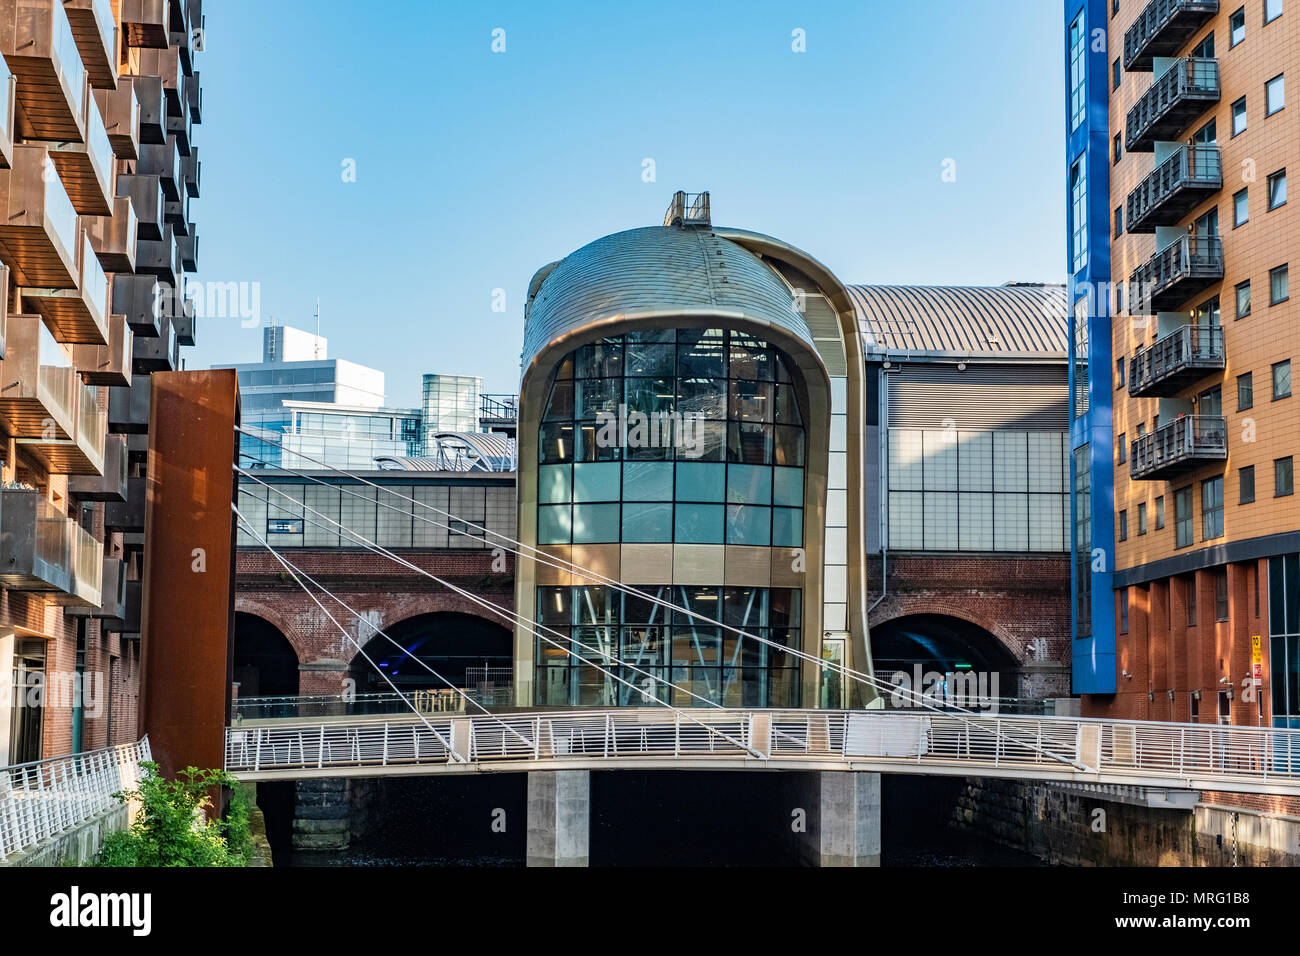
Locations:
1256 650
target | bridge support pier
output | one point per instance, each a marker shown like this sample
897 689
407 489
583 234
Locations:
559 817
843 819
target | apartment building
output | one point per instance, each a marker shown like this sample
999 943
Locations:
1187 531
97 170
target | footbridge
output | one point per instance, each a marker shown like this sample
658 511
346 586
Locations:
1059 749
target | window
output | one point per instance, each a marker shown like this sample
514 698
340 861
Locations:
1119 373
1122 450
1245 391
1212 508
1078 61
1123 611
1142 518
1279 285
1282 380
1239 116
1274 95
1205 49
1272 10
1240 209
1160 512
1243 299
1246 481
1237 26
1277 189
1221 597
1183 517
1123 525
1282 477
1119 298
1079 214
1119 221
1189 588
1119 148
1116 73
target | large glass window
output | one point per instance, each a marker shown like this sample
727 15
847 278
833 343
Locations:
1078 72
1284 631
668 657
703 423
1078 215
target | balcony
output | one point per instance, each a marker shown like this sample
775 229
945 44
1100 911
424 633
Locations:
1176 360
180 128
120 109
38 385
38 233
147 201
136 298
114 237
190 172
108 365
160 353
82 454
43 550
1183 445
95 30
78 315
163 161
111 485
128 411
145 23
127 516
160 259
184 322
189 252
164 62
86 169
1162 29
128 625
177 215
194 97
1176 187
149 94
1178 96
8 98
37 42
112 594
1188 265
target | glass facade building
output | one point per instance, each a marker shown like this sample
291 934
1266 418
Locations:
451 403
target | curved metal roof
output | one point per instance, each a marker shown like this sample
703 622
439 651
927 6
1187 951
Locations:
980 322
656 270
460 451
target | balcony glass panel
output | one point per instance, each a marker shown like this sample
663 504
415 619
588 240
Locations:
6 94
55 374
53 542
67 60
58 208
98 145
90 423
94 282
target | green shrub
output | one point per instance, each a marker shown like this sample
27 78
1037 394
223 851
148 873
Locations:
172 827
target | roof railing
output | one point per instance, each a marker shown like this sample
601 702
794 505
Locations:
688 209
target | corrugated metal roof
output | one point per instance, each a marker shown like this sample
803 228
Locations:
988 322
655 269
460 451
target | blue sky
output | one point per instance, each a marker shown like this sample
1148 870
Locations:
475 168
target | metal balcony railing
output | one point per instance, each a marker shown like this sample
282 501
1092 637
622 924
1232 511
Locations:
1177 272
1162 28
1182 445
1175 360
1174 188
1178 96
688 209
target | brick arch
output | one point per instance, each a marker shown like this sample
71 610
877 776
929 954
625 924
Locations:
272 614
913 606
443 603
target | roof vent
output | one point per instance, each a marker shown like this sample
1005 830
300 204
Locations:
688 209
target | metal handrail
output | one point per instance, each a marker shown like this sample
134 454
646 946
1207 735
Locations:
1184 258
1186 166
1154 18
1185 347
1188 77
1248 759
1185 438
46 797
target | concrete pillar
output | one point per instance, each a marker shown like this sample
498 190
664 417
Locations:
559 817
843 819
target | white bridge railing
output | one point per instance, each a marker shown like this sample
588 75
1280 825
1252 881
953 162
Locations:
1240 758
40 799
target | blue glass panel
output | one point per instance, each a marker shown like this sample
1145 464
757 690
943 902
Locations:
749 524
787 487
553 524
648 481
648 522
749 484
596 481
554 484
787 528
698 524
699 481
595 524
